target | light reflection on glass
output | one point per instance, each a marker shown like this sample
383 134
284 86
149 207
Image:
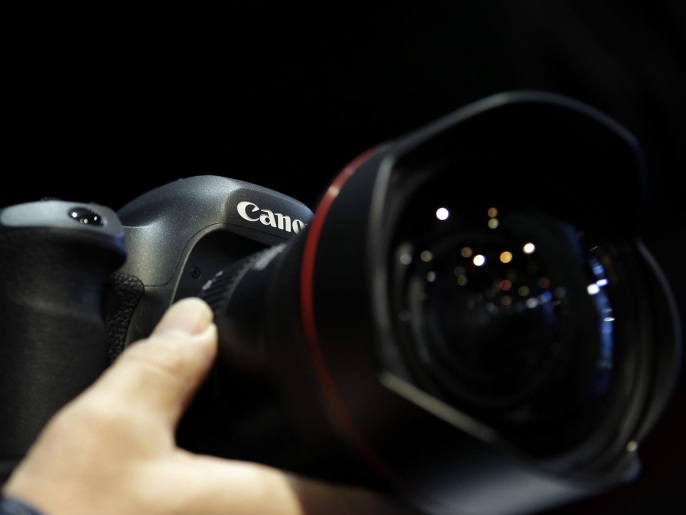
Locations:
602 302
544 282
442 213
500 272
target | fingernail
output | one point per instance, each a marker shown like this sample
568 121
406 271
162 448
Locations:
190 315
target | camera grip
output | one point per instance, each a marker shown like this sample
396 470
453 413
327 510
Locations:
54 343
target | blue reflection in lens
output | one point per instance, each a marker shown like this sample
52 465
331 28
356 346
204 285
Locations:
603 306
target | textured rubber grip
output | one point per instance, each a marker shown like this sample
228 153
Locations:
53 342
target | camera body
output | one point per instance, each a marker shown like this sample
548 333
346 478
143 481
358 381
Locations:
469 319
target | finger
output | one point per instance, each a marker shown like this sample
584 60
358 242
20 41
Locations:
189 316
159 374
212 484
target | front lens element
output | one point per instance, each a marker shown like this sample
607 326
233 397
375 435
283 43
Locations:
485 315
505 312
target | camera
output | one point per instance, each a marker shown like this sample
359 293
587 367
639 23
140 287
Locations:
468 320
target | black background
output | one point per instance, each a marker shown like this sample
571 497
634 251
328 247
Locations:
103 104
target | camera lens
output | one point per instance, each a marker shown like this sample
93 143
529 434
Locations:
506 312
452 336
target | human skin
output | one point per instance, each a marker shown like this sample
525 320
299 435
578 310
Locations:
112 450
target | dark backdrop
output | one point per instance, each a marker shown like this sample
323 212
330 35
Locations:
102 105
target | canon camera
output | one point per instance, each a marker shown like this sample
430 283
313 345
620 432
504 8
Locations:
468 320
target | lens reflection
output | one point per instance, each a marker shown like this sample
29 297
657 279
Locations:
512 324
487 328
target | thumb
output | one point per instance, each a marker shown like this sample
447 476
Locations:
160 374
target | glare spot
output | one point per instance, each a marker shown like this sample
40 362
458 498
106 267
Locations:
479 260
632 446
506 257
532 302
426 256
609 319
592 289
466 252
505 285
442 213
431 276
493 223
523 291
529 248
601 282
462 280
492 212
405 259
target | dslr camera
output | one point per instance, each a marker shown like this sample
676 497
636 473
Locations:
468 320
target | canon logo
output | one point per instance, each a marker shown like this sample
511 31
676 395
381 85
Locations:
251 212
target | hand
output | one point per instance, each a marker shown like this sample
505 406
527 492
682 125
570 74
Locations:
112 450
